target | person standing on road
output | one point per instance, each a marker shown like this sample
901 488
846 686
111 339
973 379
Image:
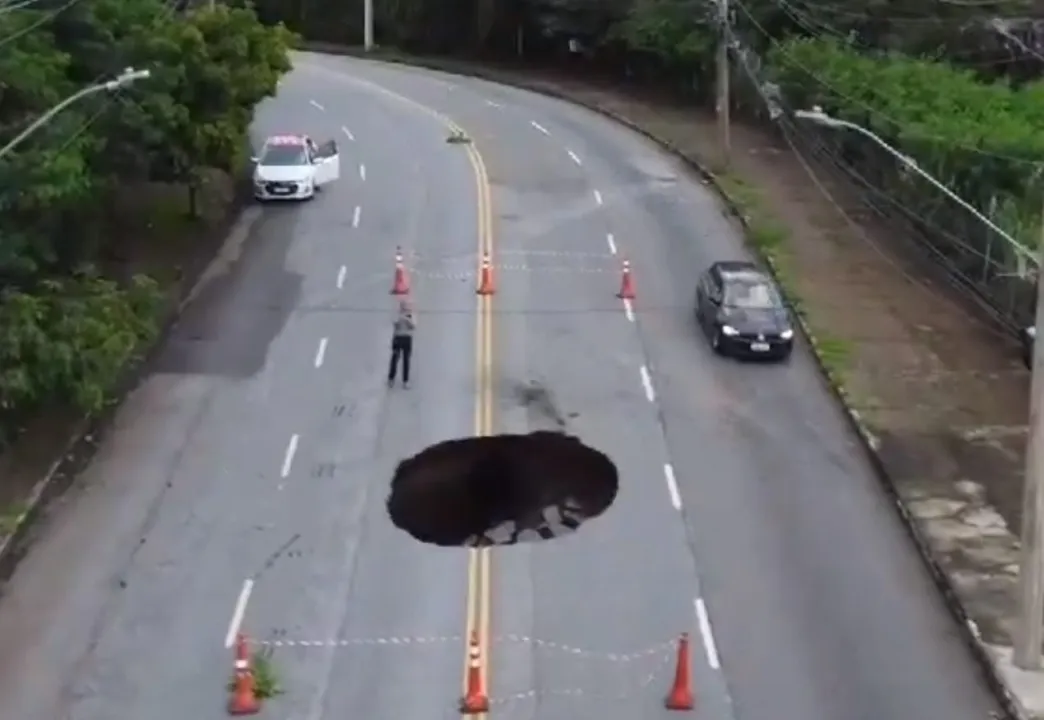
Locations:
402 344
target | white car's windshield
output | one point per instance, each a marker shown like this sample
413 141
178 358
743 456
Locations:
284 156
748 295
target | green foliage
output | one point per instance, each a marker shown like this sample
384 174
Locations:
983 138
68 332
69 339
679 33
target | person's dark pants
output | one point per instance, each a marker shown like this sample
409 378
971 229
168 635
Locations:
401 346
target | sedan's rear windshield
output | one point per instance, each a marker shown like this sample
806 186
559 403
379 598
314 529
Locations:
751 296
284 155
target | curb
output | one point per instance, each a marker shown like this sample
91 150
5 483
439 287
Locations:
89 432
868 441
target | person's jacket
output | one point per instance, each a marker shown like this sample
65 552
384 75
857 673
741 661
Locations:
404 325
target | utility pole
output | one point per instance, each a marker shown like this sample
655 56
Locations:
723 82
368 25
1030 633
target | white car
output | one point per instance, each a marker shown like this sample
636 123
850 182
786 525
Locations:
292 167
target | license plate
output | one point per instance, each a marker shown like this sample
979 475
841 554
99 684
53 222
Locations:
282 190
759 347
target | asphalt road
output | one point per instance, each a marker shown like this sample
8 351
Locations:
260 450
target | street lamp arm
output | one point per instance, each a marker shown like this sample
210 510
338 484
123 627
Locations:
126 77
817 116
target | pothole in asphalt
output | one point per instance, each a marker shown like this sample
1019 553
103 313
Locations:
501 490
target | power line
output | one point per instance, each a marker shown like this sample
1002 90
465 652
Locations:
47 17
16 5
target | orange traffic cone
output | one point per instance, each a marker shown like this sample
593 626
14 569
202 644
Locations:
244 697
680 697
475 699
401 286
485 277
626 284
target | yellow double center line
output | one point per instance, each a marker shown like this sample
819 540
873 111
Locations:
478 590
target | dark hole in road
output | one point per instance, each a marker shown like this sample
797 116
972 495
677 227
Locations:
501 490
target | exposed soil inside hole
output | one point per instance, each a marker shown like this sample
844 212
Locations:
501 490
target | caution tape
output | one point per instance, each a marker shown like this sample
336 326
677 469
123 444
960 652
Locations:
658 671
661 648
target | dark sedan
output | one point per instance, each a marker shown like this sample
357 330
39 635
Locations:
742 312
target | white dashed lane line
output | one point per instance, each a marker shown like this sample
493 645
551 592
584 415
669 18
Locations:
574 157
672 486
320 353
316 105
340 276
356 216
362 172
611 241
239 612
707 634
347 132
650 394
539 127
628 310
598 197
288 459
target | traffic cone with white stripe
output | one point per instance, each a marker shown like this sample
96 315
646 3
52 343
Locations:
244 699
681 696
475 699
626 283
486 276
401 285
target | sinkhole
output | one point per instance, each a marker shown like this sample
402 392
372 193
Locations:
501 489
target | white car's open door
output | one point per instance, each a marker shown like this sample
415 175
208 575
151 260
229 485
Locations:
328 163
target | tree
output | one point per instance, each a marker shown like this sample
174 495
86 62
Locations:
71 323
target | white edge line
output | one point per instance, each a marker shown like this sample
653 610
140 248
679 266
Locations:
628 310
348 132
647 384
598 197
493 104
612 243
539 127
320 353
355 216
708 636
672 486
575 157
239 612
316 105
340 276
291 450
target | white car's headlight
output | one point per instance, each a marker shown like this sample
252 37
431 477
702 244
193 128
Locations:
787 334
729 330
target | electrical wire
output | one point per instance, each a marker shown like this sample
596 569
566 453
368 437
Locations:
16 5
47 17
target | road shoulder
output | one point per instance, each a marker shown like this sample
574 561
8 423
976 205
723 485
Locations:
933 389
